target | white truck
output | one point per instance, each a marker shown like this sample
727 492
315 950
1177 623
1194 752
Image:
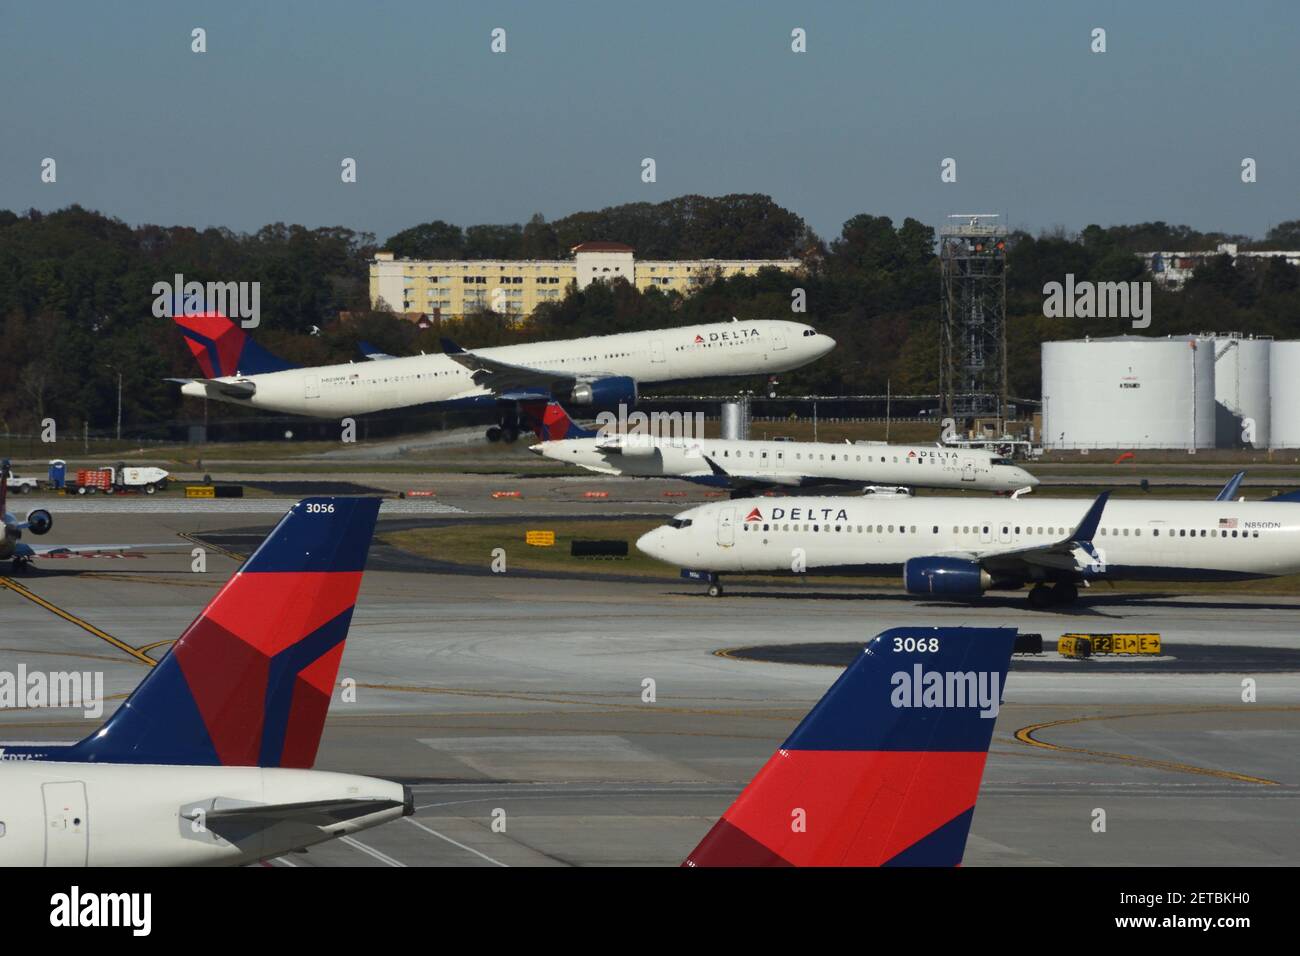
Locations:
121 478
23 486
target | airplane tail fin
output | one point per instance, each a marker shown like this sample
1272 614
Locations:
885 770
222 347
551 422
250 680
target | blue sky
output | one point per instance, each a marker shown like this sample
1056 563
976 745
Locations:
1043 130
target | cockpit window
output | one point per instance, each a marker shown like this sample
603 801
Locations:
679 522
1001 461
809 332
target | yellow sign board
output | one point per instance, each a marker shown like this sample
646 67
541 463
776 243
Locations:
1117 643
540 539
200 491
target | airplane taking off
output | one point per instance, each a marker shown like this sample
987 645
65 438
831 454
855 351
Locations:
602 371
206 762
962 547
756 465
885 770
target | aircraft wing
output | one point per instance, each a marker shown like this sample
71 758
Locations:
300 822
1061 555
509 381
1229 491
236 389
742 481
372 353
25 550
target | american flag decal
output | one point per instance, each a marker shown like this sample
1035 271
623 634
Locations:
1227 522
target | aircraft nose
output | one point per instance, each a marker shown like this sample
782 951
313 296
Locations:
1026 479
537 449
652 543
827 345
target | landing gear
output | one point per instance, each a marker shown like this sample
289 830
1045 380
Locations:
715 589
1041 597
1064 593
18 565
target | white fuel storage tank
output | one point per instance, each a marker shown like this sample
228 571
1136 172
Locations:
1241 388
1128 391
1284 395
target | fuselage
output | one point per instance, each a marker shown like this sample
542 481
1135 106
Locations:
89 814
1144 540
800 464
720 349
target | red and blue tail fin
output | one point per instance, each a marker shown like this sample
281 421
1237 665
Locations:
222 347
551 422
249 682
885 769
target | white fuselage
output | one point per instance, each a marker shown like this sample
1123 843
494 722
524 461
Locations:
719 349
102 814
1151 540
793 463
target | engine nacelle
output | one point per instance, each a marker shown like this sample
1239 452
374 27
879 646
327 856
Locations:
39 521
605 392
949 576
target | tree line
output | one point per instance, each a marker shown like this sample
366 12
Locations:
76 295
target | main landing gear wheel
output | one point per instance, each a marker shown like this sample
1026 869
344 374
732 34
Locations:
715 590
1064 593
509 434
494 433
1040 597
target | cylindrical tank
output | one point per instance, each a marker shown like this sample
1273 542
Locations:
1128 391
1284 395
735 420
1241 389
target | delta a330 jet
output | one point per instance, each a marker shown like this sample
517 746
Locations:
755 465
602 371
962 547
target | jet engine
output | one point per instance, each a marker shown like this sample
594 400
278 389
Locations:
608 392
948 576
39 521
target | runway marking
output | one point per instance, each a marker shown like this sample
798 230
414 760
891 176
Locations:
1026 736
145 649
86 626
443 836
371 851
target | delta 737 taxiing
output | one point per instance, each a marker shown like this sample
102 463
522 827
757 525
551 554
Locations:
960 547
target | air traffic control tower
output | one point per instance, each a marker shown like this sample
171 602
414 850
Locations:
973 336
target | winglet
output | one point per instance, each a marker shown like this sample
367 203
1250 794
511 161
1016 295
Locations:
1087 529
451 348
1229 491
716 468
885 769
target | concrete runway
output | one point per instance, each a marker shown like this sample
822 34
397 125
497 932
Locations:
523 695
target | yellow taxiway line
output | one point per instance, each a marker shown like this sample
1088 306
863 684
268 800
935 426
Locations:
135 653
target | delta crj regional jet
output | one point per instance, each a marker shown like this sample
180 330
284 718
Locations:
750 465
602 371
962 547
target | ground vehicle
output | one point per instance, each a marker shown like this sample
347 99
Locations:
120 478
23 486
